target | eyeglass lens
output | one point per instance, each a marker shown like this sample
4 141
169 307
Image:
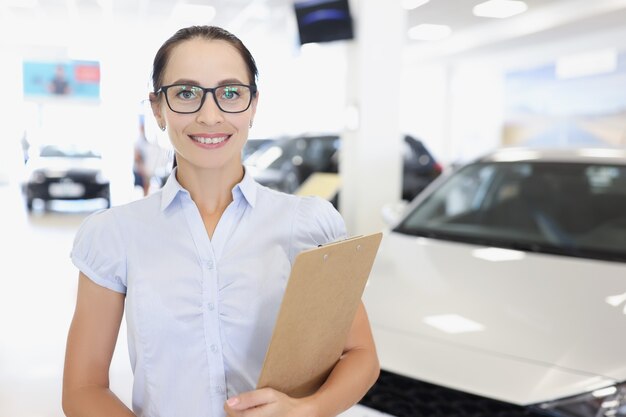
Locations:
188 98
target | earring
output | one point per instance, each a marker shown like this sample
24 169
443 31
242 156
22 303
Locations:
162 128
250 125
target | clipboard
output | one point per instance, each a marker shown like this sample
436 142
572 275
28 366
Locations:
320 301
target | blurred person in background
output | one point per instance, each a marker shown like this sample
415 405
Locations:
140 161
199 267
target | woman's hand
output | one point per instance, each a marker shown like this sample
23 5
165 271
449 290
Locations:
351 378
267 402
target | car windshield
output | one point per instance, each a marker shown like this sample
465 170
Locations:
315 153
51 151
570 209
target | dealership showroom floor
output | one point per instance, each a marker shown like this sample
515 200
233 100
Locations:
36 306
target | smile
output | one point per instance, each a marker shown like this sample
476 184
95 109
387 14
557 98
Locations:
209 141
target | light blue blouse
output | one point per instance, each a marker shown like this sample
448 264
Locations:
200 312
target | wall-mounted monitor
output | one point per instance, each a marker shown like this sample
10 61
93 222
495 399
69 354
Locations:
323 20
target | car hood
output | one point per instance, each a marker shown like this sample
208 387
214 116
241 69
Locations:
66 164
519 327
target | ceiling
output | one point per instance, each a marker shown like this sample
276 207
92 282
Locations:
544 21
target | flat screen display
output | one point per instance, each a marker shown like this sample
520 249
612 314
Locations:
323 20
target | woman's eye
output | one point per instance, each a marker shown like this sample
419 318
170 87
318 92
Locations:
187 93
230 93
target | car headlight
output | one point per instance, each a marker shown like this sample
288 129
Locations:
101 178
604 402
37 177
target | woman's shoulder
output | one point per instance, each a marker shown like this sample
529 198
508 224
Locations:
125 212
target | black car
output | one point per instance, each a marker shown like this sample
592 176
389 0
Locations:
288 162
253 145
65 172
419 169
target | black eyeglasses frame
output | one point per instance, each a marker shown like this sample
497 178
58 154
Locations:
206 90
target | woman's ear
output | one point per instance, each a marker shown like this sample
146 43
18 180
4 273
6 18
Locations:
155 104
255 100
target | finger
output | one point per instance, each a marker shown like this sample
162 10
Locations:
251 399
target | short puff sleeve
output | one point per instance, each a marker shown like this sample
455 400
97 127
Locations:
99 251
316 222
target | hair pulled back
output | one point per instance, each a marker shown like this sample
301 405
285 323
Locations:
202 32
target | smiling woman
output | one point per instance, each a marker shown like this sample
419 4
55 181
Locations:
201 265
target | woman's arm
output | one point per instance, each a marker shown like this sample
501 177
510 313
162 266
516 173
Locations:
352 377
90 345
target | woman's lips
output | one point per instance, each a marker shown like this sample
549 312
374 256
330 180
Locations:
210 141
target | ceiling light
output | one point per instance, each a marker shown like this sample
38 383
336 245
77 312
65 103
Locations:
499 8
453 323
429 32
413 4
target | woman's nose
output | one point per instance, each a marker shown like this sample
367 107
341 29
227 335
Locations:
209 113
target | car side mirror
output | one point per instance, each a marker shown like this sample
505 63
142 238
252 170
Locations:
392 212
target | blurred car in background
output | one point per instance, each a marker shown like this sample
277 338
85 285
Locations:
500 290
420 168
286 163
253 145
65 172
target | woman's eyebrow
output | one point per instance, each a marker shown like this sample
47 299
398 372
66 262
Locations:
186 81
195 82
230 81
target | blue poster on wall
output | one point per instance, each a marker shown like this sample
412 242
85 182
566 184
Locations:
66 79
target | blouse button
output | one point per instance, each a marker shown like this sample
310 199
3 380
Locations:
211 306
213 348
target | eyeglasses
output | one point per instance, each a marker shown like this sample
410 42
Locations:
187 98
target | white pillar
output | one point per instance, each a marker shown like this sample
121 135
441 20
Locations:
371 161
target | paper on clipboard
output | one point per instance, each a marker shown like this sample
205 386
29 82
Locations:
322 295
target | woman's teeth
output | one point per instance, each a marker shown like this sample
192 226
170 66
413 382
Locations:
206 141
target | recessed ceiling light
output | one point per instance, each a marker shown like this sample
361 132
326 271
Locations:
413 4
499 8
429 32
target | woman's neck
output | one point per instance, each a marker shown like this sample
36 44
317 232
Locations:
210 189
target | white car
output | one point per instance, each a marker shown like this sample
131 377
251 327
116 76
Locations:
501 290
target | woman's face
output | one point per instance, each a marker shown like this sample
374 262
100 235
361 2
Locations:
209 138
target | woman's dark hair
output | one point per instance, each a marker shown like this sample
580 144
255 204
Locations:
204 32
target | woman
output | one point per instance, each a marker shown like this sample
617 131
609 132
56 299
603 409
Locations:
200 265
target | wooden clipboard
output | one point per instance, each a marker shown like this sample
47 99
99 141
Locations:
319 305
